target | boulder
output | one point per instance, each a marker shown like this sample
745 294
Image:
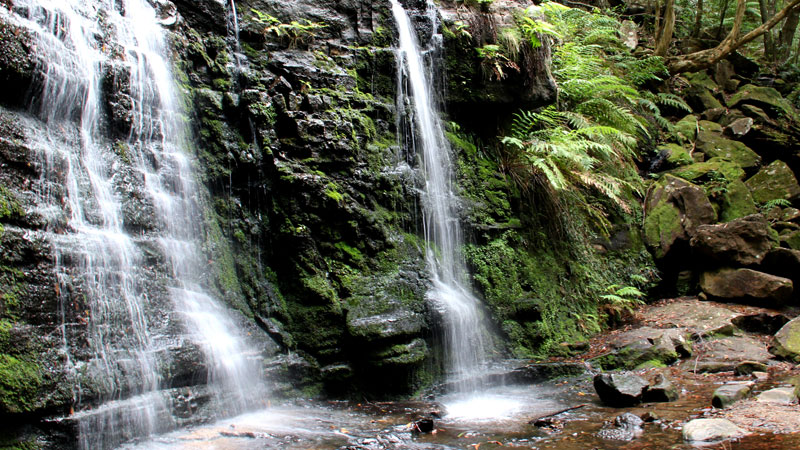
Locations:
673 209
620 389
786 343
663 390
736 201
783 396
708 170
764 97
714 145
744 241
783 262
739 127
645 347
626 427
708 430
673 155
748 367
775 181
687 129
761 323
697 318
725 353
745 284
728 394
790 239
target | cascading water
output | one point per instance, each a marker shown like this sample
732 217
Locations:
465 332
117 349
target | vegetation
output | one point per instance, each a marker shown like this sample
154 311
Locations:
294 33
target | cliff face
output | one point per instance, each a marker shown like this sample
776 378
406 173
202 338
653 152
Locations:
310 219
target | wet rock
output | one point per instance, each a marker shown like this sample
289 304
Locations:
645 347
664 390
674 209
533 373
422 425
743 241
748 367
762 323
620 389
782 396
775 181
627 426
746 285
786 343
723 354
708 430
726 395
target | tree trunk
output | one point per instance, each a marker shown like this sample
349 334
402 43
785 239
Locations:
698 19
705 58
722 18
664 38
786 36
769 45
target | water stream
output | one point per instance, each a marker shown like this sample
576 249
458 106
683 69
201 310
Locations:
133 283
465 332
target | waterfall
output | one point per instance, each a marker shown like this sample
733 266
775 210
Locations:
133 283
465 332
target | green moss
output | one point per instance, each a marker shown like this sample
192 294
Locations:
19 385
662 224
698 172
9 206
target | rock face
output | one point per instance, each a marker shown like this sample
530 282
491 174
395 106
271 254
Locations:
620 389
709 430
746 284
787 341
743 241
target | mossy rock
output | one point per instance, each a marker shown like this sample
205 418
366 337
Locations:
716 146
791 239
787 341
736 202
775 181
19 385
676 155
701 80
686 128
709 126
763 96
699 172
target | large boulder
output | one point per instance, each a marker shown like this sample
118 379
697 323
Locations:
708 430
710 170
674 208
715 145
645 347
764 97
775 181
620 389
736 201
745 284
743 241
787 341
783 262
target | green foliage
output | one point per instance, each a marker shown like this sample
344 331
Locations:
294 32
776 203
620 301
494 63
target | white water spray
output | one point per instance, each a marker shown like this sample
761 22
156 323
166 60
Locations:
465 332
93 246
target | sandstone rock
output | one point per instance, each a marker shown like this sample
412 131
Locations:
663 390
748 367
629 33
762 323
728 394
701 171
620 389
787 341
714 145
687 129
783 396
645 347
674 208
736 201
745 284
740 127
707 430
762 96
775 181
790 239
627 426
744 241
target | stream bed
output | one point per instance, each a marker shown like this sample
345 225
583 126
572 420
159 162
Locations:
496 418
